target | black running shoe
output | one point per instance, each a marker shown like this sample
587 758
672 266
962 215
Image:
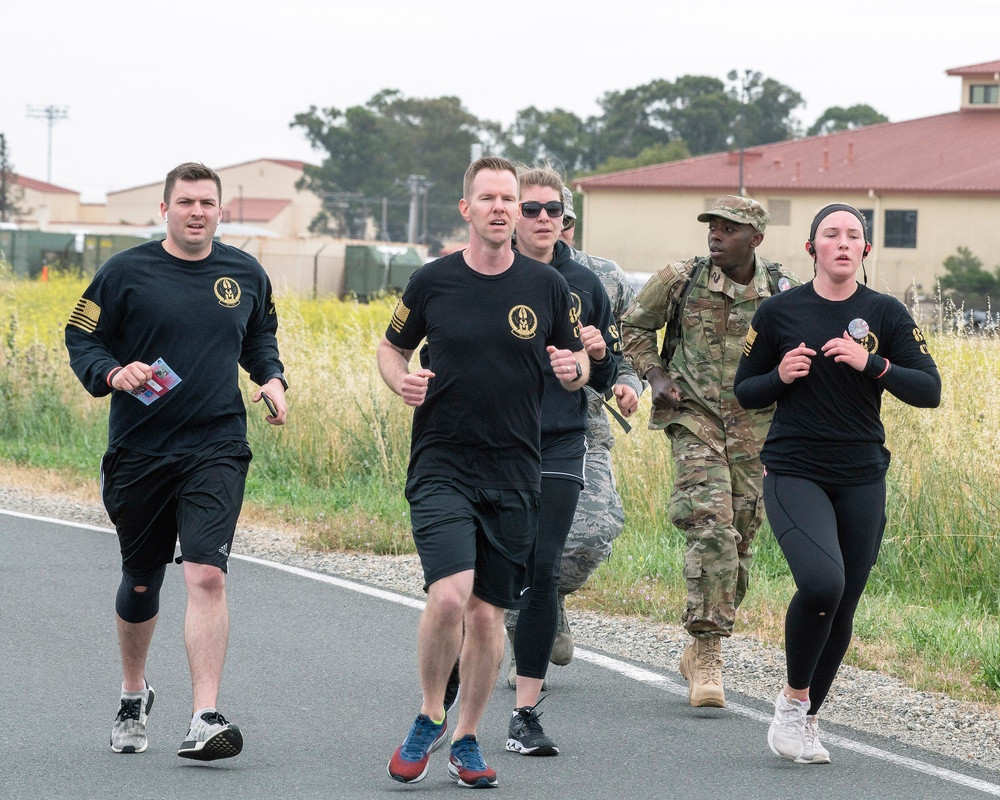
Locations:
525 734
452 690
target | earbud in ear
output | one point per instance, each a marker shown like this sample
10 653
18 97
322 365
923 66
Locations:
811 249
868 248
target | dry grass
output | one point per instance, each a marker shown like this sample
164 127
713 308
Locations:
333 478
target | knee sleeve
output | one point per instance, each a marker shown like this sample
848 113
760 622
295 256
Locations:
136 607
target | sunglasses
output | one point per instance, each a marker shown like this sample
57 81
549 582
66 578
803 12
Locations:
531 209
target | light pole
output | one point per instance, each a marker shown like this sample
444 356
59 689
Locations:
418 186
744 93
52 115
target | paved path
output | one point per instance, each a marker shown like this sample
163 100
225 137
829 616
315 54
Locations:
321 679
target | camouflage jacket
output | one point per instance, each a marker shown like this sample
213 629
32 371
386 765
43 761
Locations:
715 321
622 296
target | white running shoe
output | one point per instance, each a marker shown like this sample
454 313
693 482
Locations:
211 737
786 736
813 751
128 734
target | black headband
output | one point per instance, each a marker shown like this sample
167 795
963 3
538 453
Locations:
826 211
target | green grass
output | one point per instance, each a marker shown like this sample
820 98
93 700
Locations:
335 473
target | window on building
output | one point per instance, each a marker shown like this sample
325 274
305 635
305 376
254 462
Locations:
780 211
900 228
869 215
984 94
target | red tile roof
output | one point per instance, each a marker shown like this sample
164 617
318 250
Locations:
956 153
252 209
38 186
987 68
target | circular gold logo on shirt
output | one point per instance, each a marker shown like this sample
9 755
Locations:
228 292
523 322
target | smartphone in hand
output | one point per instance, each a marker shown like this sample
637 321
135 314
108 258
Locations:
269 403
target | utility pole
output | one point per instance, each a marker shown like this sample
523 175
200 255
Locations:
3 178
52 115
744 91
418 185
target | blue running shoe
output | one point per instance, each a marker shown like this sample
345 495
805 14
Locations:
410 761
467 766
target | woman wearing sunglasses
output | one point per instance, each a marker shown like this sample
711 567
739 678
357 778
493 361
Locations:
564 428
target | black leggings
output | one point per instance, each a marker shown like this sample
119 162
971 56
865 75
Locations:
830 536
537 623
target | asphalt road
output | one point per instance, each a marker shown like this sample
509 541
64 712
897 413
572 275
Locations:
321 678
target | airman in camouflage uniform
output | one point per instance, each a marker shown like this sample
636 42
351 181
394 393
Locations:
717 494
599 513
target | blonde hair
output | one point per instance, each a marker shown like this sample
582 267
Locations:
539 176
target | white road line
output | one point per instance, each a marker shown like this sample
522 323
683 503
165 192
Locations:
660 682
630 671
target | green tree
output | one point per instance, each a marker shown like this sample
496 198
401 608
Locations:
559 137
11 195
967 284
630 121
657 154
370 151
769 108
697 109
703 114
836 118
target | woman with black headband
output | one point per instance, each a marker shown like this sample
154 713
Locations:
824 352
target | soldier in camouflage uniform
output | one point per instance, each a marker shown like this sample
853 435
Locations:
599 513
717 494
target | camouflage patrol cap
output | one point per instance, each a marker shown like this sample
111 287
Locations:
569 215
738 209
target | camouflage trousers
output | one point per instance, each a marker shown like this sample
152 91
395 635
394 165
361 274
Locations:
598 521
719 506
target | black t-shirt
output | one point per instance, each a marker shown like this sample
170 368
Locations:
481 420
562 411
827 425
203 318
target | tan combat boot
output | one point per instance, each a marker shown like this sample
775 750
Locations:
701 665
562 647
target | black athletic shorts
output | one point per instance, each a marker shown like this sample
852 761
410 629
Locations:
492 531
563 456
154 501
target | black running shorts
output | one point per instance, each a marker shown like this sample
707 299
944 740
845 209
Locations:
492 531
195 498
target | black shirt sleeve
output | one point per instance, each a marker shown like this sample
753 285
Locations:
88 335
757 384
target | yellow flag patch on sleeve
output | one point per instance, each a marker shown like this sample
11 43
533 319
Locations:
86 315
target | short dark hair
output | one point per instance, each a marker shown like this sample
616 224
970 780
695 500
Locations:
190 171
486 162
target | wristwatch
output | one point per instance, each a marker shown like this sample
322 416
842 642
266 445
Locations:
280 376
579 371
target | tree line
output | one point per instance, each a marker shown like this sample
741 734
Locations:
370 151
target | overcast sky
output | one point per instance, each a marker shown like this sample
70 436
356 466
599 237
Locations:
146 85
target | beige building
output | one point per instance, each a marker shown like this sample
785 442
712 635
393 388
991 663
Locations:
259 193
927 187
44 202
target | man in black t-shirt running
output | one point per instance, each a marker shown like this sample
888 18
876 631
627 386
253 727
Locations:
492 319
163 328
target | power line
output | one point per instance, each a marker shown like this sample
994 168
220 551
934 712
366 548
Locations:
52 115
